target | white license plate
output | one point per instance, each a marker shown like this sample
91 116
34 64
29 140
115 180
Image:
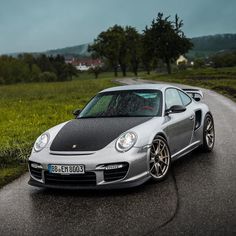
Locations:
66 169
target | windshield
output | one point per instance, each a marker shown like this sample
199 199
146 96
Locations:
126 103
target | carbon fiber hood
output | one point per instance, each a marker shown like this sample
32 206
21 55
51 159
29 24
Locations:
92 134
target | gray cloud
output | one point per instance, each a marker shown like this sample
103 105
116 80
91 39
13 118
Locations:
31 25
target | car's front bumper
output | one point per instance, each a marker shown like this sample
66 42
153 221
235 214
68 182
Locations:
137 172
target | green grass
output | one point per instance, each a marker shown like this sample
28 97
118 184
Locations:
27 110
8 174
222 80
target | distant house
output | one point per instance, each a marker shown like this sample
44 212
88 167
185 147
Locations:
81 67
84 64
181 60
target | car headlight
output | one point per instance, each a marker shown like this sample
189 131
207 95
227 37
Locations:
126 141
41 142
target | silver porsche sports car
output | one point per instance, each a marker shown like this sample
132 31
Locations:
123 137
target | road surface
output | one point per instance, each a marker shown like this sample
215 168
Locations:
198 197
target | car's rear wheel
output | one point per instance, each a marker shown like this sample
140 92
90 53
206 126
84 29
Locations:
160 159
208 134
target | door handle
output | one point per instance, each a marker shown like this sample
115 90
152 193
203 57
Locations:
191 117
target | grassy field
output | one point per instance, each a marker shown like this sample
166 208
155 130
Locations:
222 80
27 110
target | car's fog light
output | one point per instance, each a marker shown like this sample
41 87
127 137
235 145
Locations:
36 166
110 167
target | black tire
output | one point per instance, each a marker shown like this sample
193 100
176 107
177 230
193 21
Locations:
159 159
208 134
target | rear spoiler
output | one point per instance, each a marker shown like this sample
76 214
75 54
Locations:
196 94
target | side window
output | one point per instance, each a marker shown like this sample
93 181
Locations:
185 98
172 98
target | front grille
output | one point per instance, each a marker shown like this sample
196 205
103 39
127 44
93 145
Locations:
116 174
35 172
87 179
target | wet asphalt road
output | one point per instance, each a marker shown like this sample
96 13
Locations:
198 197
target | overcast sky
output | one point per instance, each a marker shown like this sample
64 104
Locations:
38 25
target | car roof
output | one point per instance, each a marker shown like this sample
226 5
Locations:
138 87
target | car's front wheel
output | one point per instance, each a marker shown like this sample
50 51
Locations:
160 159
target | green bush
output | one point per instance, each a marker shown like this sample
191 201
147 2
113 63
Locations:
224 59
199 63
47 77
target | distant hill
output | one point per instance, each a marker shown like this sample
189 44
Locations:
203 46
79 50
208 45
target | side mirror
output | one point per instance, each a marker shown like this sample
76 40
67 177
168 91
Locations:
197 99
76 112
175 109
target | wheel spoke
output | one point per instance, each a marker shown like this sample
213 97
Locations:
164 157
157 148
152 167
153 153
162 149
157 169
165 164
160 170
152 160
209 125
210 138
210 128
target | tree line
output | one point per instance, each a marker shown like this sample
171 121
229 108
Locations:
125 48
226 59
29 68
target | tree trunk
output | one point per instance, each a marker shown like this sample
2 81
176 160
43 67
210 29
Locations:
135 68
124 72
147 68
115 71
168 65
123 68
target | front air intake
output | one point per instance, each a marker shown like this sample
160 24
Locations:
116 174
35 170
87 179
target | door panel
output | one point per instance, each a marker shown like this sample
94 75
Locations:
179 126
179 130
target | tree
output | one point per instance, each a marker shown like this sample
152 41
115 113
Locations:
133 45
109 45
120 46
147 49
168 41
96 70
227 59
47 77
199 63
